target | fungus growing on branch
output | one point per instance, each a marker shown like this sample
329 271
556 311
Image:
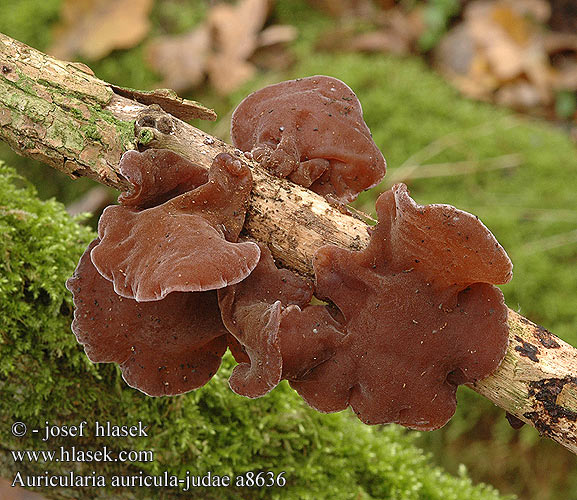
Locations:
419 313
145 293
185 244
310 130
168 285
163 347
263 313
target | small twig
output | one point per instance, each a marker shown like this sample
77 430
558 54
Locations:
412 172
95 199
555 241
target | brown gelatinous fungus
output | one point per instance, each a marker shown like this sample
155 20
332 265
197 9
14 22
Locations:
151 247
310 130
157 175
263 312
165 347
419 312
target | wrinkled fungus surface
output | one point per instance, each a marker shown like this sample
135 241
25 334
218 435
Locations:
187 244
145 290
281 336
310 130
165 347
252 312
419 314
168 285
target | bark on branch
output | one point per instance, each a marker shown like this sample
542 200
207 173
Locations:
61 114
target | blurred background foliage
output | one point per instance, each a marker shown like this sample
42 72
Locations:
518 173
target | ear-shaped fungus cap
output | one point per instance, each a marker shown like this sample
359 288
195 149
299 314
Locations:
185 244
165 347
312 131
157 175
419 311
263 312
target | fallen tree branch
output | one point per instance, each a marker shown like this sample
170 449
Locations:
61 114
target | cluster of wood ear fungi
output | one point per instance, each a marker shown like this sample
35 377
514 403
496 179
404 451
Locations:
169 284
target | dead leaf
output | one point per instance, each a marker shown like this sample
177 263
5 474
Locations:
94 28
235 31
394 31
277 34
273 57
180 59
271 52
227 48
563 16
236 27
519 95
498 53
347 8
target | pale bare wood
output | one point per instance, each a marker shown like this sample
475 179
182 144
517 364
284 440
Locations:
44 102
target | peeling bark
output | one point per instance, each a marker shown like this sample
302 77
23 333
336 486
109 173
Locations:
59 113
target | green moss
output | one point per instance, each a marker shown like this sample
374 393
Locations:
46 377
145 136
29 21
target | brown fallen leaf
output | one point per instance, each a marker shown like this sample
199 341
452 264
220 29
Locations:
394 31
271 52
94 28
498 53
347 8
180 59
235 31
562 48
226 48
563 16
277 34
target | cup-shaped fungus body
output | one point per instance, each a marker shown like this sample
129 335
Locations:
310 130
185 244
164 347
156 176
145 290
419 311
262 312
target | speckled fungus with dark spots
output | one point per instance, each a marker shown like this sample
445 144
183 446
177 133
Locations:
145 290
163 347
310 130
263 313
419 313
186 244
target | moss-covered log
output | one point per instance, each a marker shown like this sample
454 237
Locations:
536 382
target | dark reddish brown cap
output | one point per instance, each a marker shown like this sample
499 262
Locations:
157 175
185 244
252 311
165 347
419 313
310 130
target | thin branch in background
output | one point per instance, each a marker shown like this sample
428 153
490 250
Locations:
455 138
409 173
92 201
551 242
